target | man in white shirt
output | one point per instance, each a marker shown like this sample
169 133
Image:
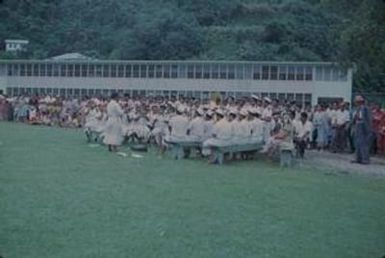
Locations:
179 125
196 127
341 125
302 131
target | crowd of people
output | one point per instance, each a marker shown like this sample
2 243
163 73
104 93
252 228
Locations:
335 127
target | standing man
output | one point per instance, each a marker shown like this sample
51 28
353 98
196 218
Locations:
342 121
362 125
113 133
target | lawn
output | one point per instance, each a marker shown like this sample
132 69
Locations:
61 198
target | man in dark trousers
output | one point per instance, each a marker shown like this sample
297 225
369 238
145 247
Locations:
362 126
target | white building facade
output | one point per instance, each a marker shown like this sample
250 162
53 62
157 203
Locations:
304 82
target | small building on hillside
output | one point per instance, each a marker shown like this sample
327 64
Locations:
12 45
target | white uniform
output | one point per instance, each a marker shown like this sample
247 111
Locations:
242 132
113 133
196 128
257 128
224 133
92 122
342 117
179 125
301 129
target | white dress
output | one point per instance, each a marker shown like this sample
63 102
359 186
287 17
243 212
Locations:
113 130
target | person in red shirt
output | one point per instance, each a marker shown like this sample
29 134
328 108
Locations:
379 129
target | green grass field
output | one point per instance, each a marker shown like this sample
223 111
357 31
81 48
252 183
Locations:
61 198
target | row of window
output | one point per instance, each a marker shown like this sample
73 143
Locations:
174 71
299 97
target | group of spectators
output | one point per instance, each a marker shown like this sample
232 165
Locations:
336 127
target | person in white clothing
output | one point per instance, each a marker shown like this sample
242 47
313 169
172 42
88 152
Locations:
302 132
113 133
178 126
342 121
196 127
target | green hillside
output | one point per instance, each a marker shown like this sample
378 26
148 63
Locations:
308 30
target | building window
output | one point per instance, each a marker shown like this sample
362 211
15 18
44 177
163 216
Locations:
265 72
327 74
239 71
318 73
63 70
335 74
77 70
35 70
198 71
56 70
282 73
70 70
223 71
206 71
231 72
91 70
98 72
84 70
257 72
343 75
55 91
143 71
113 70
299 98
106 70
166 71
300 74
309 73
291 74
273 73
76 92
290 97
22 70
29 70
214 71
190 71
121 71
308 100
159 71
182 71
248 72
15 70
151 71
49 70
42 69
128 71
174 71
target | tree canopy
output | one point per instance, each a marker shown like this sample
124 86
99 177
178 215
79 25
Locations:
350 32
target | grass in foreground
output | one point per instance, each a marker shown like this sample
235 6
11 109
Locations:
61 198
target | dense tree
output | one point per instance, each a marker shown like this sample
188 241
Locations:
350 32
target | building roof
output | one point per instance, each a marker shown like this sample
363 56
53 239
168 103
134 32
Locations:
71 56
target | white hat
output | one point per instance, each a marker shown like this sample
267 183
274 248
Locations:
233 112
200 112
243 112
267 99
209 113
255 97
220 112
181 109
